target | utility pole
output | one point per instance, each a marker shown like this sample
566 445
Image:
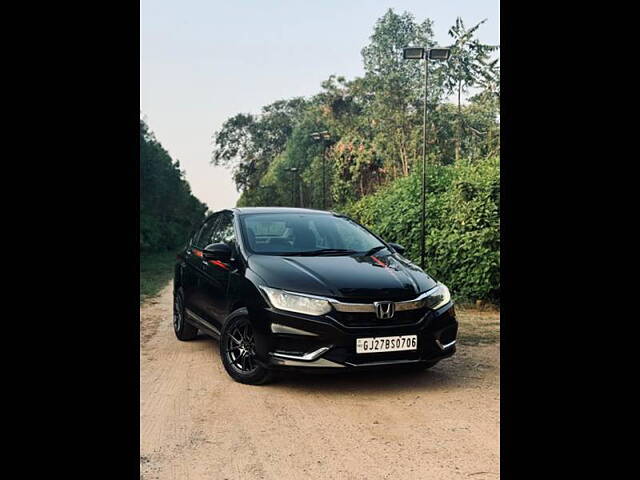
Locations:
323 137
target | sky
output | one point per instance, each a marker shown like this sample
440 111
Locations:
202 62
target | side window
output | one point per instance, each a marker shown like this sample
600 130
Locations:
204 237
224 231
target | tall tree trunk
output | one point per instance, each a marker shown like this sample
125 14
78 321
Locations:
404 157
459 124
399 146
490 139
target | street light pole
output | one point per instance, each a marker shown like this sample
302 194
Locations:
423 237
418 53
322 136
324 188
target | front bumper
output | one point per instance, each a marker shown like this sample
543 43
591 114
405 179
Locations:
325 343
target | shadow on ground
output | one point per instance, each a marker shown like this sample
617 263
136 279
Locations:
463 370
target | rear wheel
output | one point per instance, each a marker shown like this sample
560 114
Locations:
238 350
182 329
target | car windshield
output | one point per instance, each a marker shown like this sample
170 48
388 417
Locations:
305 234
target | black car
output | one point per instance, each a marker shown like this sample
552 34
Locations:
290 288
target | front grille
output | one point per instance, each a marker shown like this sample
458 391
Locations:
362 319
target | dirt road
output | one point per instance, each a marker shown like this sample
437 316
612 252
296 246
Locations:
196 423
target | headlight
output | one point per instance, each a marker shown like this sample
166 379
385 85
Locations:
438 296
295 302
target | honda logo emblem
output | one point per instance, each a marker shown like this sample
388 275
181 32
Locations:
384 310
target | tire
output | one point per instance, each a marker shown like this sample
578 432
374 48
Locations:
237 350
182 329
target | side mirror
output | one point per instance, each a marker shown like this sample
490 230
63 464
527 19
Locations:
397 247
217 251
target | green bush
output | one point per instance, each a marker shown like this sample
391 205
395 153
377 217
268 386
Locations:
462 227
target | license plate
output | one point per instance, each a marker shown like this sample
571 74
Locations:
387 344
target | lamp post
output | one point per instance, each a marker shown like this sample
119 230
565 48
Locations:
419 53
293 171
322 136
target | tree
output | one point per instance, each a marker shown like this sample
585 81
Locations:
168 209
468 65
397 87
248 143
375 122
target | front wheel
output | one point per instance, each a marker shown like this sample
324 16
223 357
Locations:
238 350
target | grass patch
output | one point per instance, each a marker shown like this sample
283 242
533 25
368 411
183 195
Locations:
156 269
478 326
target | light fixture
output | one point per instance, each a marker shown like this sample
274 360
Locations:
413 53
439 53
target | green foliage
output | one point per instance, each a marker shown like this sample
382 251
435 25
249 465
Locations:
168 210
469 65
248 143
397 86
463 223
470 62
156 269
373 159
375 122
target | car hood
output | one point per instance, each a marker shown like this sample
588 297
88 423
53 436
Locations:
355 278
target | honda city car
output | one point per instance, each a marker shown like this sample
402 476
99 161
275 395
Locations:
290 288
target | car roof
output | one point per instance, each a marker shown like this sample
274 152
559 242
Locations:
254 210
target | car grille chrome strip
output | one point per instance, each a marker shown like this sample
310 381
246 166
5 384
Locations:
414 304
353 307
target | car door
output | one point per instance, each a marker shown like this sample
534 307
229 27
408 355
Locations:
188 279
216 274
194 280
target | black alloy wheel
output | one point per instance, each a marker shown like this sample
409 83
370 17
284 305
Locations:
238 350
241 347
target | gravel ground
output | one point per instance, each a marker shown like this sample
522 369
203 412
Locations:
197 423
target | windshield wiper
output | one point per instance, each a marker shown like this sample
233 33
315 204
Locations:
323 251
374 250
